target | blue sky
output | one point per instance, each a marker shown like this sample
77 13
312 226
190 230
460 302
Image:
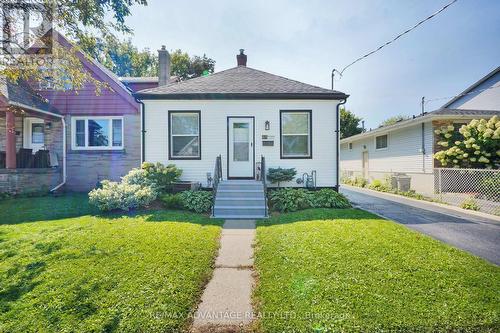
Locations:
304 40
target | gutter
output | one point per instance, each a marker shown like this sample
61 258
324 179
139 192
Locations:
337 132
64 137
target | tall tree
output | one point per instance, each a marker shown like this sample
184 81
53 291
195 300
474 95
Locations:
86 21
349 124
393 120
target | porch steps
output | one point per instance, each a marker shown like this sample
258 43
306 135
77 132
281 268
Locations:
240 199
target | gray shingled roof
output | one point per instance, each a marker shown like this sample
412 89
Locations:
239 82
22 93
461 112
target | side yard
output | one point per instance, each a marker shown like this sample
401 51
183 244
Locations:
322 270
65 268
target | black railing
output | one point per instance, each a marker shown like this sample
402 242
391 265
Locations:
217 178
263 178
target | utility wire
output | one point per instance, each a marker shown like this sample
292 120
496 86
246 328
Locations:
460 95
397 37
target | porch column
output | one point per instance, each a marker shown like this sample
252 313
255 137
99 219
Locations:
10 142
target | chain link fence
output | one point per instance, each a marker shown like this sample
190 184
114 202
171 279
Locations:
475 189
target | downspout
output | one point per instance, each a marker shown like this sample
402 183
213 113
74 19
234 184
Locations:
143 130
64 156
423 135
342 102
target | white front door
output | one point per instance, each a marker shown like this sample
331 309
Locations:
34 134
241 155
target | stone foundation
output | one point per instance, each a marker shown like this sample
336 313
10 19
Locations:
22 181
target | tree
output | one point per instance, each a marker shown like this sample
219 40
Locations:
186 67
83 21
475 145
393 120
349 124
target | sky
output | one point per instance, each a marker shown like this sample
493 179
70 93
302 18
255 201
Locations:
304 40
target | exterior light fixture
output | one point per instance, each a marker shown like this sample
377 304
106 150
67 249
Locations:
267 125
48 125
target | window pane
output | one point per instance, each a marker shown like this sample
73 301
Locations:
381 142
37 133
184 123
295 145
295 123
117 133
98 132
241 151
185 146
80 133
241 132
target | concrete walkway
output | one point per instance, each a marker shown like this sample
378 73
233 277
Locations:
475 234
226 302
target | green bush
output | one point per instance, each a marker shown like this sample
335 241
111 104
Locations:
470 204
154 175
172 201
355 181
327 198
378 185
113 195
292 199
278 175
196 201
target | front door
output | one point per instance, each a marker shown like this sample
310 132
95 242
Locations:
34 136
240 148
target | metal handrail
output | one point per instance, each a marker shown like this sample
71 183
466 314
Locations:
263 178
217 178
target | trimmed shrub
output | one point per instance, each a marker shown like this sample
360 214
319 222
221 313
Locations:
172 201
293 199
378 185
155 175
113 195
196 201
278 175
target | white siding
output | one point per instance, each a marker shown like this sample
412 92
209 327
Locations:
214 135
402 155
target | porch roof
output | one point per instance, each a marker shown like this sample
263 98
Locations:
20 94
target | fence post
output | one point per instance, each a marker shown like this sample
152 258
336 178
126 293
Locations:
439 180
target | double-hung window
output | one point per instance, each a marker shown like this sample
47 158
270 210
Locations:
97 133
296 139
184 135
381 142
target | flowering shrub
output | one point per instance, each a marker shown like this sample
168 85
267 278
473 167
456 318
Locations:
475 145
154 175
113 195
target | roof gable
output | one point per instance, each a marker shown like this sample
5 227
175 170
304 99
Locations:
240 82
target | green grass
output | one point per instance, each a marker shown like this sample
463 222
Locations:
61 272
326 270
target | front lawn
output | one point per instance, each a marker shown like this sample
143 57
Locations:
326 270
64 271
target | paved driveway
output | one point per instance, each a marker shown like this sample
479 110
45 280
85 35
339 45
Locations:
477 235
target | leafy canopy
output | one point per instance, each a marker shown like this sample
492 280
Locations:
89 22
349 124
393 120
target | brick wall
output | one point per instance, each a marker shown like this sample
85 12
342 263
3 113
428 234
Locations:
16 181
86 168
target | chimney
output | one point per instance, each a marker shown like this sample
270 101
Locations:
241 58
163 66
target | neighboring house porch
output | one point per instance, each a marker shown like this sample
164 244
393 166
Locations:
31 141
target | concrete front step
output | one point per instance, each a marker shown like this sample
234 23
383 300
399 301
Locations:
237 201
259 187
240 211
240 194
240 217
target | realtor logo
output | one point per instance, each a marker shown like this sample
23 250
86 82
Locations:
27 27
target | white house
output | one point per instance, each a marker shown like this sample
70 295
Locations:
242 114
408 146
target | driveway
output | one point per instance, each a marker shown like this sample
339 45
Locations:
474 234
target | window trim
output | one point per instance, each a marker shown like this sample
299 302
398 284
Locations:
375 141
97 148
301 157
170 155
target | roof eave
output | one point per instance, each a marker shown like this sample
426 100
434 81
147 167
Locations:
198 96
